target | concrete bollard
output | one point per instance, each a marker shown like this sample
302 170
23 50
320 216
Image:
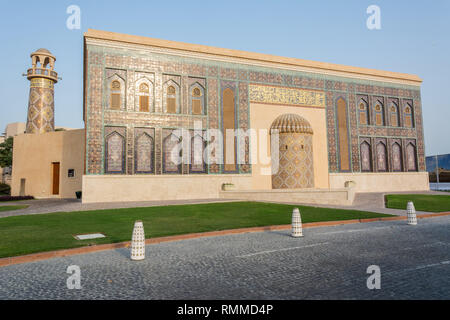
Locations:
138 242
411 213
297 230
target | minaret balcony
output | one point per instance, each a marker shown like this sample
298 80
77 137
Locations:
42 73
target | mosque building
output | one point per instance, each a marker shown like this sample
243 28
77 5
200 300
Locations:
168 120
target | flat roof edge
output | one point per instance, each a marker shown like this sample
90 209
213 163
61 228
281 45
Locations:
251 56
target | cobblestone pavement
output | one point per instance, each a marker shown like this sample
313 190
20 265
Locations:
373 202
327 263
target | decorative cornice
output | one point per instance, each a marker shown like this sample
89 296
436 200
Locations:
230 55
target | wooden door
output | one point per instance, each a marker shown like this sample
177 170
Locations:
55 167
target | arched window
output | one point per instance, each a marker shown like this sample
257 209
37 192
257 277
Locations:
197 99
363 112
171 97
366 157
393 113
116 95
144 97
197 162
144 150
408 116
396 157
229 123
379 114
411 160
381 157
172 156
171 100
115 153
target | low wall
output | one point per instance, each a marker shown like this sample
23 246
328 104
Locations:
116 188
341 196
382 182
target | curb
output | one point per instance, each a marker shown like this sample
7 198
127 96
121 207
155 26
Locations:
111 246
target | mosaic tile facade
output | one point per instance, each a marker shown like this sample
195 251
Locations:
296 166
41 106
130 65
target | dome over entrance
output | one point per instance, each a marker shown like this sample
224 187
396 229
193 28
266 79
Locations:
291 123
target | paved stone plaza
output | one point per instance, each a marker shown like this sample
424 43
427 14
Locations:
328 263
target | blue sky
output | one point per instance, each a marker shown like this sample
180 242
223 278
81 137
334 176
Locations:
414 38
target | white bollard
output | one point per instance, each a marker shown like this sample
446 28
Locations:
411 213
297 230
138 242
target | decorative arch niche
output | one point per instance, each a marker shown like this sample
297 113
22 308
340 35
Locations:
197 162
411 157
397 163
171 97
144 90
394 115
366 156
115 153
116 92
363 111
197 99
293 162
171 144
343 139
381 153
408 115
229 123
144 153
379 113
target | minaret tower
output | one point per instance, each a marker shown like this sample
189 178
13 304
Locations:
41 105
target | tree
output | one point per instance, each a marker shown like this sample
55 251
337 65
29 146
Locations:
6 153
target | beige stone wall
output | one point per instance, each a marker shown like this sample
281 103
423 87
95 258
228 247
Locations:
341 197
382 182
33 156
14 129
113 188
262 116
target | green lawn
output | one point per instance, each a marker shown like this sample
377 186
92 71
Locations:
45 232
11 208
422 202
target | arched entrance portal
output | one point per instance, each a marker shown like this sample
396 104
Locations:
295 156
